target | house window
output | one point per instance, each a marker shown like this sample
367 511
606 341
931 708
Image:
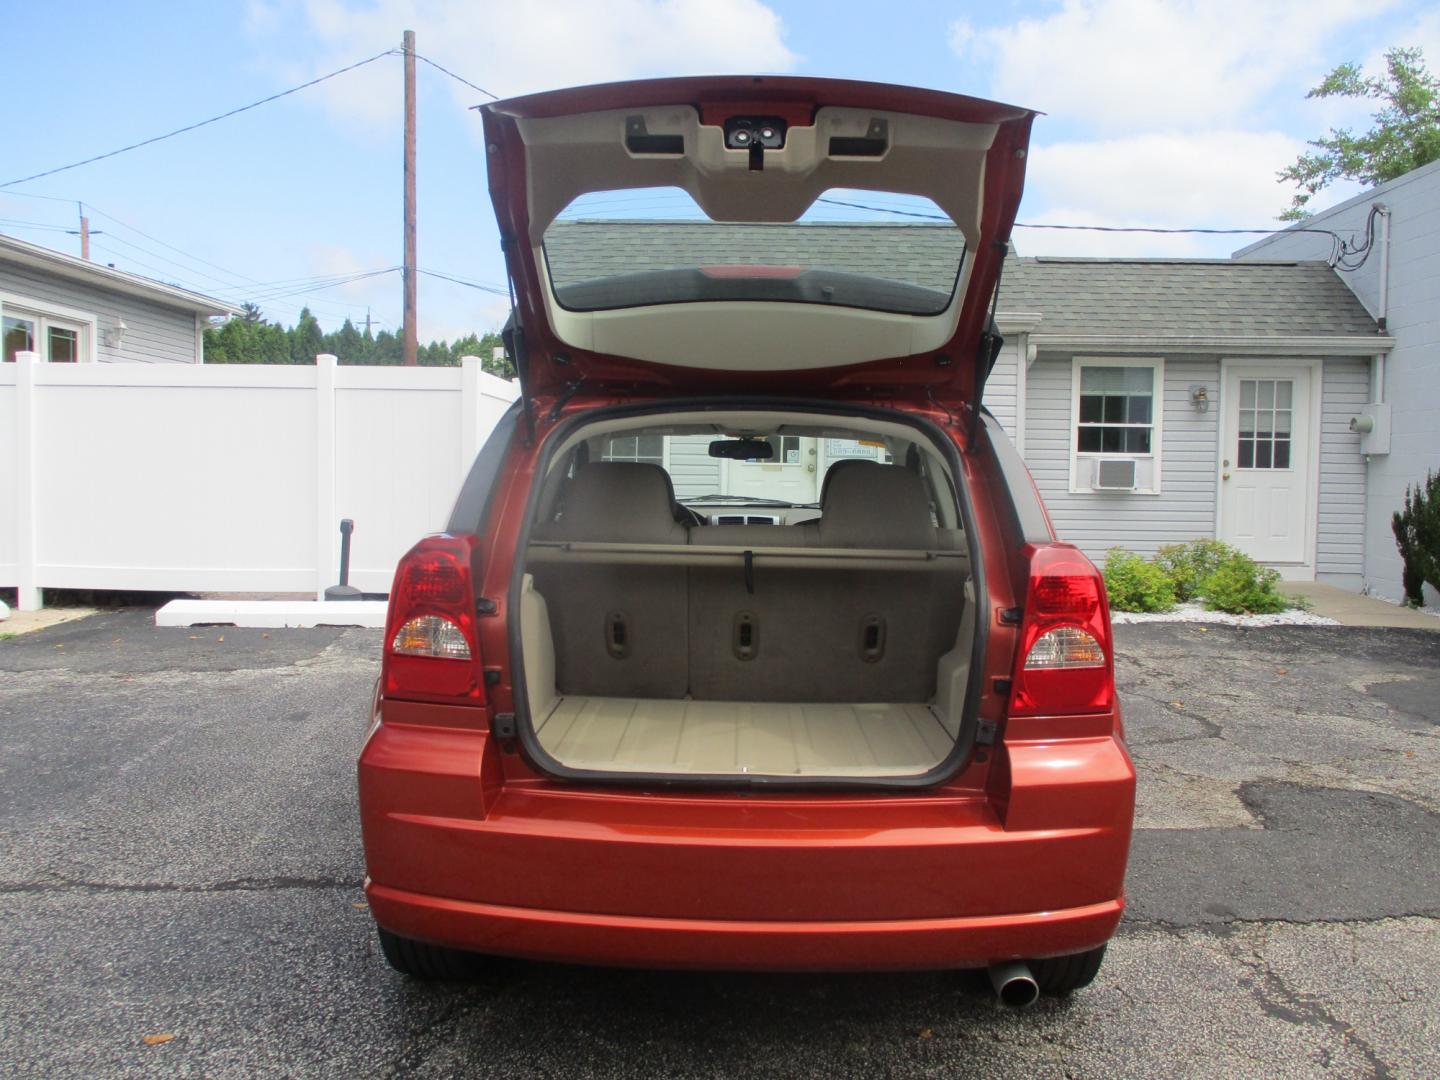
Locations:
57 339
649 449
1115 413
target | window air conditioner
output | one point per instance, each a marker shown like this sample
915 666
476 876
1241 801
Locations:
1114 474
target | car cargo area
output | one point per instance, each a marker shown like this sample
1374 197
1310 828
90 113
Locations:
830 638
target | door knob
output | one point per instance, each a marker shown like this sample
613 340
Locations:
1225 476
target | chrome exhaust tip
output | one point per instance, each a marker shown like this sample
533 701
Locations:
1013 983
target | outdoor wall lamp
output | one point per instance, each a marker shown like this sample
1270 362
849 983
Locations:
1200 398
115 336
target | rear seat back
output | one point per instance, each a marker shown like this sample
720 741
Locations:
829 635
620 631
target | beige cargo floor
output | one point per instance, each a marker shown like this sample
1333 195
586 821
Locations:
743 737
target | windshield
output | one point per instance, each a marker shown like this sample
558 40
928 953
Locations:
870 250
792 476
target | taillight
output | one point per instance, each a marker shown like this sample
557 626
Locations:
431 649
1064 664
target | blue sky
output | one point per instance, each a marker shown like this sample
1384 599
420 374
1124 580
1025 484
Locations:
1171 114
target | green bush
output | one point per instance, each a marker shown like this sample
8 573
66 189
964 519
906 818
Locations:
1136 585
1242 586
1417 535
1188 565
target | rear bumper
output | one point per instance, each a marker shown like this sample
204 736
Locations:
716 945
744 880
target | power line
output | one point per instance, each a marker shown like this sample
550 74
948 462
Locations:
494 289
457 78
202 123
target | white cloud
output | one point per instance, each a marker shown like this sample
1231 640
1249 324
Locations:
1204 179
1123 64
519 46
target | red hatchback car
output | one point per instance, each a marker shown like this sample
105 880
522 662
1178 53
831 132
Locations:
749 644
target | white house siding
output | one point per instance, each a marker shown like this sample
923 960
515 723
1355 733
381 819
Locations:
1412 372
1340 542
154 334
692 469
1000 389
1185 507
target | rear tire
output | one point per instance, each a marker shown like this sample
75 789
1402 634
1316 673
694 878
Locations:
421 960
1060 975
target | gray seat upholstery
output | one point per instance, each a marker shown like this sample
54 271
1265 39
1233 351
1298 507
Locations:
880 506
622 501
813 630
644 607
751 536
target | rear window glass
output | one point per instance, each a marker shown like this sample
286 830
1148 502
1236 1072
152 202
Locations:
793 474
859 249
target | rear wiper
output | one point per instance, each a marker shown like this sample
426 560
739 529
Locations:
748 500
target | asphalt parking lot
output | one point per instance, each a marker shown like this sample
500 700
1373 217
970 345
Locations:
179 856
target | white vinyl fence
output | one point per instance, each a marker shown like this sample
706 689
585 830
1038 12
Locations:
228 478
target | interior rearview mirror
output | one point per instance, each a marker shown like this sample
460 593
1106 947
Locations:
742 449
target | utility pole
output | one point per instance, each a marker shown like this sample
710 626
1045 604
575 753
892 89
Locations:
367 320
408 340
84 233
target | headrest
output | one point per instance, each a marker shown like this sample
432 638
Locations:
621 501
884 506
842 466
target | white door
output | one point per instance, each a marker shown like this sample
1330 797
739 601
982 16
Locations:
791 475
1265 463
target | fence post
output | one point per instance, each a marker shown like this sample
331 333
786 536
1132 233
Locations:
470 369
27 593
325 523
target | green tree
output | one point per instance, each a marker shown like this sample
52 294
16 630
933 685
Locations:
1406 134
307 340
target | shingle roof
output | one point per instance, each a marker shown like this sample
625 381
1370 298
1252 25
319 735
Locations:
1081 297
1214 297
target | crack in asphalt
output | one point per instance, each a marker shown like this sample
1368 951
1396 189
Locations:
274 884
1278 999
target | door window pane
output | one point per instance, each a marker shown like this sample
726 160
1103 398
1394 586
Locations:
1263 423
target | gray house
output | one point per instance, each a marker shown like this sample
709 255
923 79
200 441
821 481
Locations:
70 310
1155 400
1398 284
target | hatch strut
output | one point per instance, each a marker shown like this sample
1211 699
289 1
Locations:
513 335
989 346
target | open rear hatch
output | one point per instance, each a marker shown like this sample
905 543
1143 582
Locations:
749 294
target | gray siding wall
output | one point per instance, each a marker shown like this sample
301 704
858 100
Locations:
692 469
1000 389
1412 373
1340 542
1185 508
153 334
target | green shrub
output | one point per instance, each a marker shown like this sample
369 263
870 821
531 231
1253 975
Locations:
1417 535
1242 586
1188 565
1136 585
